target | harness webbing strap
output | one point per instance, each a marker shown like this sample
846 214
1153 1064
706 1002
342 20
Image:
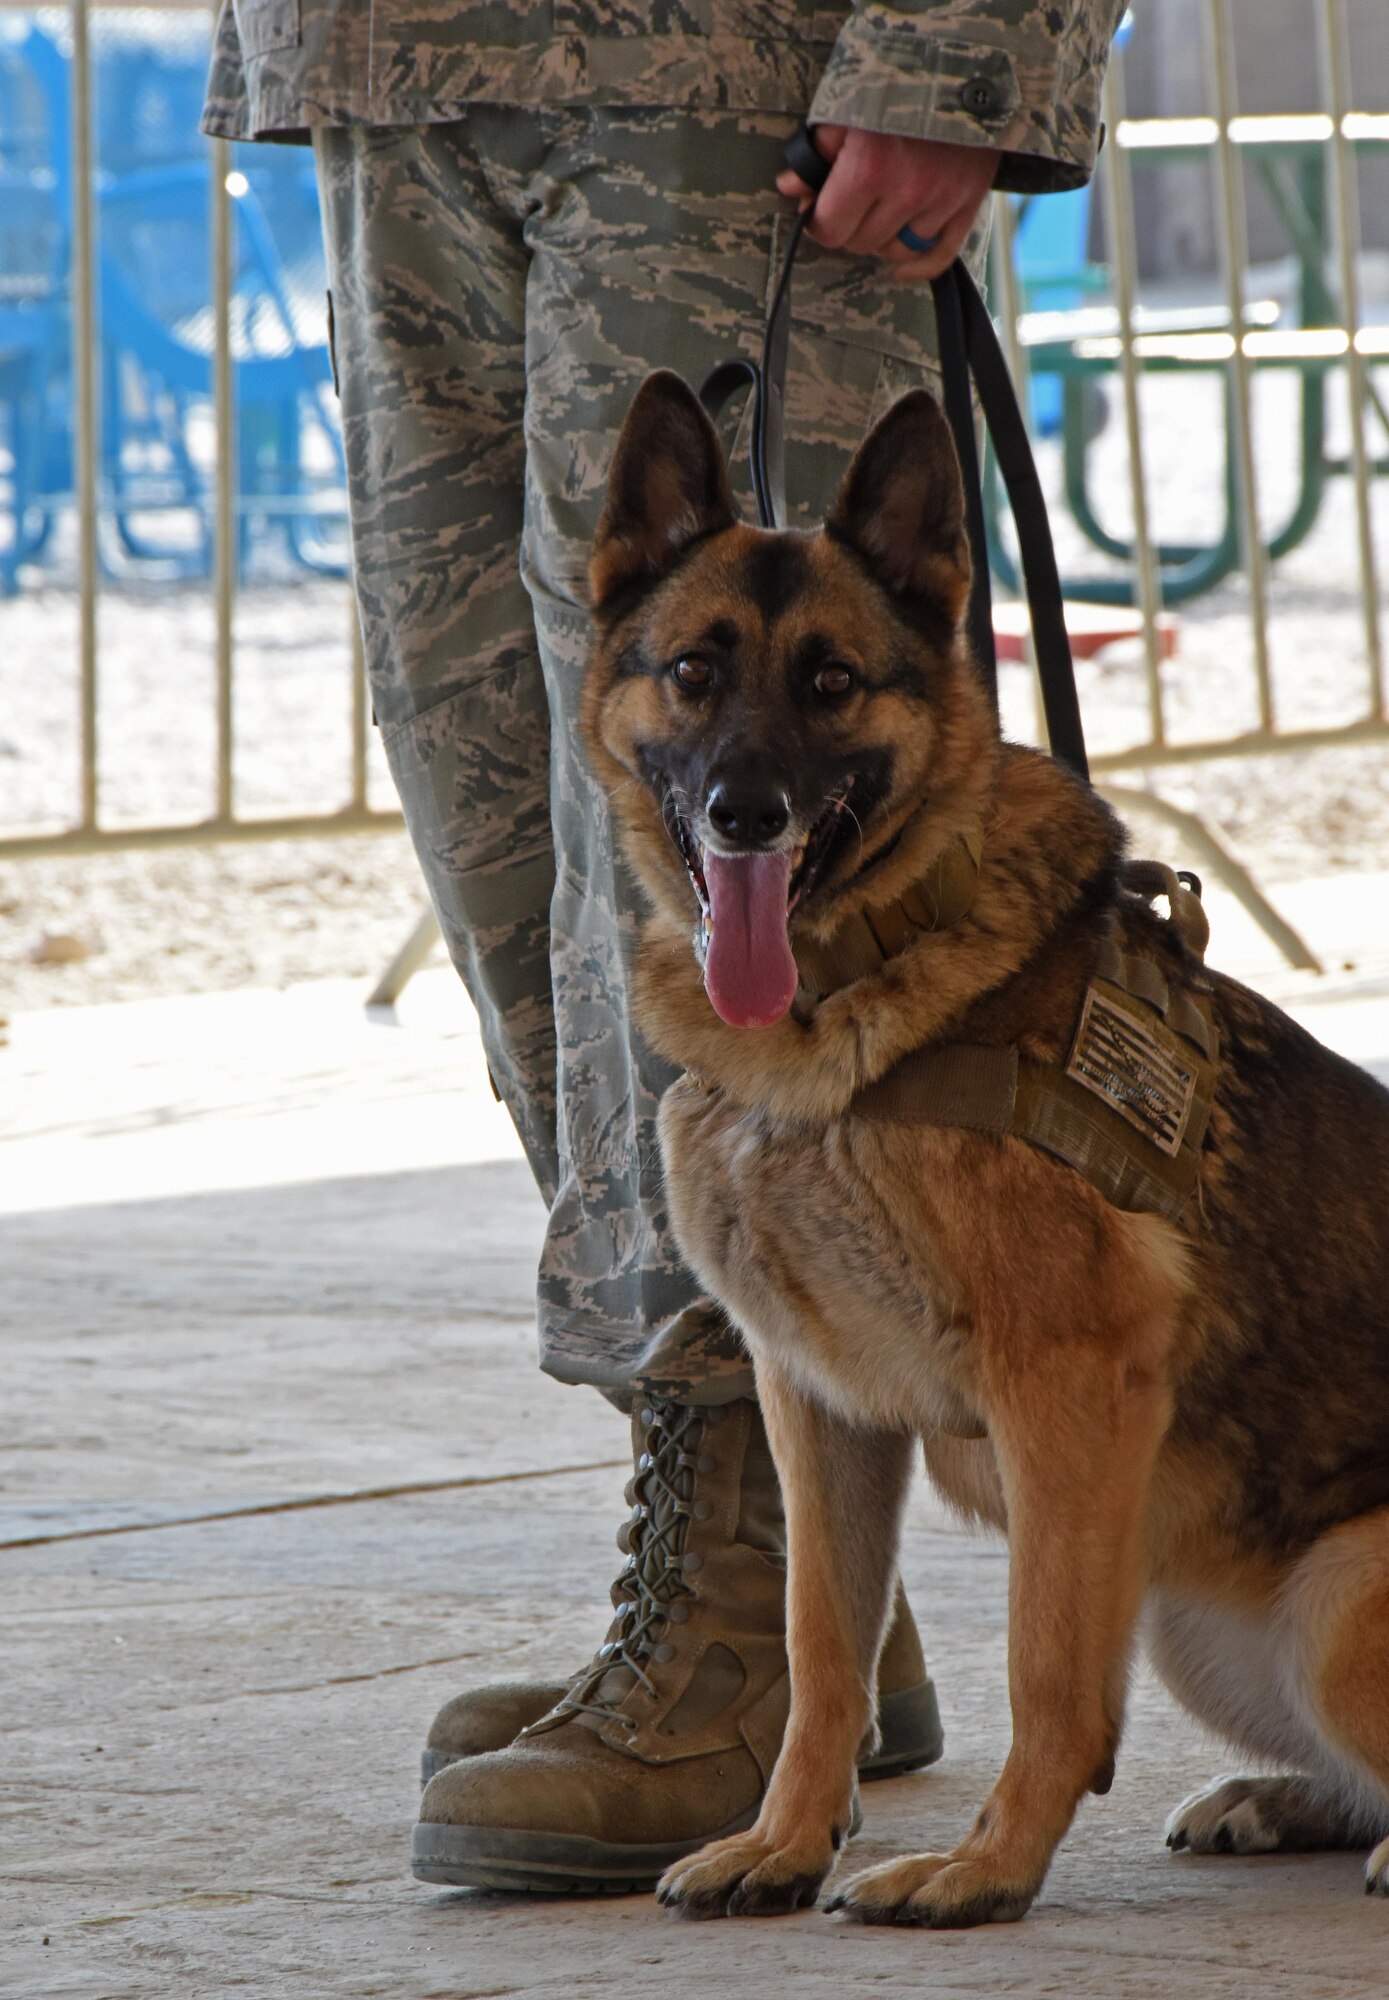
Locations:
997 1090
1128 1109
872 936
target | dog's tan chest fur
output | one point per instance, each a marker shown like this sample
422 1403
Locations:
797 1231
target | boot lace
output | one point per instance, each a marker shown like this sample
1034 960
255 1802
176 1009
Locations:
654 1587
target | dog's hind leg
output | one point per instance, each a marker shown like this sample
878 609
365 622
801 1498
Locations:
1075 1434
1237 1671
843 1489
1338 1606
1309 1686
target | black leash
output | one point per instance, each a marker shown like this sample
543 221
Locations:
969 349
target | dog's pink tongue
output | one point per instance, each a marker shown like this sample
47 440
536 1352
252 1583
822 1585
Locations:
749 973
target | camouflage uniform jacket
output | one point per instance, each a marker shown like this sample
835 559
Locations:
1022 75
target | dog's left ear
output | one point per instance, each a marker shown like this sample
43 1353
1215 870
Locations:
902 506
668 487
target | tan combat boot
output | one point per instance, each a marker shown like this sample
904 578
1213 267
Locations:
668 1738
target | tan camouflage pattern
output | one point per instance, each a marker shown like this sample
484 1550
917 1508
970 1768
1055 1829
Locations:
1022 75
570 251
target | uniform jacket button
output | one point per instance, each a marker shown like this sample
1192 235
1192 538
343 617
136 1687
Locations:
981 97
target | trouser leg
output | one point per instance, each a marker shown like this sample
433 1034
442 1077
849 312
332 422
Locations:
427 276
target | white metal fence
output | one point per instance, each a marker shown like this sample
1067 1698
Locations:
88 832
1119 341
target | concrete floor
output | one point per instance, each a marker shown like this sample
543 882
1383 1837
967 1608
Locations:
277 1475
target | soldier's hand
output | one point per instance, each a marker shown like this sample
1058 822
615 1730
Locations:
879 184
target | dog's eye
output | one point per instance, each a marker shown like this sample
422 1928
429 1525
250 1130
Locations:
691 673
833 682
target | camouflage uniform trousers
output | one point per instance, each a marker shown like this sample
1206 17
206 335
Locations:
500 286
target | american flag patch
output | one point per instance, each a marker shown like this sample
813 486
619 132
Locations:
1137 1067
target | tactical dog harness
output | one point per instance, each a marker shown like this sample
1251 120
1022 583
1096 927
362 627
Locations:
1129 1107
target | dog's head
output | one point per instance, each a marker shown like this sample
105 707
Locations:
789 725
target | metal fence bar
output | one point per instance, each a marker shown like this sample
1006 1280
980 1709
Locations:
1009 303
1256 743
1335 65
86 441
198 833
1233 238
1118 194
1201 844
225 523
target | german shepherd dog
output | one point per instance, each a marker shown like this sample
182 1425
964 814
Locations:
1187 1418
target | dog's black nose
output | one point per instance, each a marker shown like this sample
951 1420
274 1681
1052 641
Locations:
749 814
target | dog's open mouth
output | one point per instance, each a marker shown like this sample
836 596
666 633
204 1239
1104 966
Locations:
746 902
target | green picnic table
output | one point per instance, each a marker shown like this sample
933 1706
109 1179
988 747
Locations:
1288 155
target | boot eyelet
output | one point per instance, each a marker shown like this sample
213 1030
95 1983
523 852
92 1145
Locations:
704 1463
678 1614
691 1561
701 1510
663 1653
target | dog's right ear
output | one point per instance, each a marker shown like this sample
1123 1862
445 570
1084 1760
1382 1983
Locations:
668 487
902 506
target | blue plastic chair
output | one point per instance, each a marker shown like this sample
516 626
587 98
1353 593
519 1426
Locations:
1055 274
154 309
157 370
33 304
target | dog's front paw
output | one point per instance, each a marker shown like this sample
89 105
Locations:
747 1875
941 1892
1377 1871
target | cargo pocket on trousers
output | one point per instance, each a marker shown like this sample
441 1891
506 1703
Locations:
472 771
262 26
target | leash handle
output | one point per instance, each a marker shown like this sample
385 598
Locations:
969 351
767 381
1051 643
